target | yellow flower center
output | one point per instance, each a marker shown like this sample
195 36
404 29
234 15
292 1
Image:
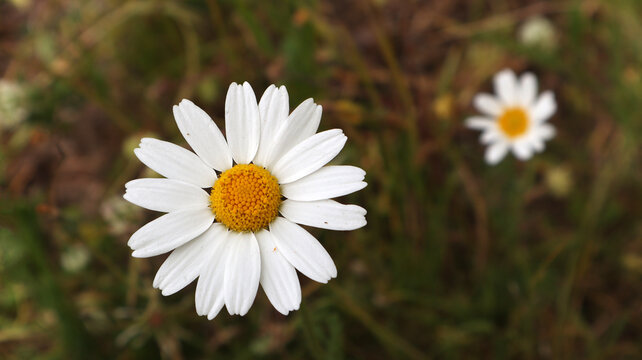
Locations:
245 198
513 122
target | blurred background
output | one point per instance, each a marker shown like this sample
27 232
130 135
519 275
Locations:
528 260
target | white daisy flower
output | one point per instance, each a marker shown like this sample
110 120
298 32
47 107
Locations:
13 104
231 236
515 119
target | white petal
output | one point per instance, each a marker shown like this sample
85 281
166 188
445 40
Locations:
242 273
479 123
522 150
278 277
506 87
169 232
546 131
490 136
203 135
326 214
309 155
175 162
301 124
184 264
496 152
209 297
165 195
527 89
488 105
326 183
302 250
537 144
539 134
242 122
544 108
273 109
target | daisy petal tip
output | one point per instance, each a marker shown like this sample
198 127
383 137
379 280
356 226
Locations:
168 290
185 102
283 91
505 72
214 311
131 183
137 253
165 292
127 197
230 310
492 159
283 310
478 123
243 312
296 305
549 96
527 74
245 307
495 153
132 242
493 162
247 88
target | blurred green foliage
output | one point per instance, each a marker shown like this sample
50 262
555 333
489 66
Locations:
541 259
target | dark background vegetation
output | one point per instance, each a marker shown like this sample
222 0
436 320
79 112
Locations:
527 260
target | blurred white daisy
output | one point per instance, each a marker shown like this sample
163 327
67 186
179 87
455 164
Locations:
538 32
515 119
13 104
231 237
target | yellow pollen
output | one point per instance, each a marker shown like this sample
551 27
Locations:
245 198
513 122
